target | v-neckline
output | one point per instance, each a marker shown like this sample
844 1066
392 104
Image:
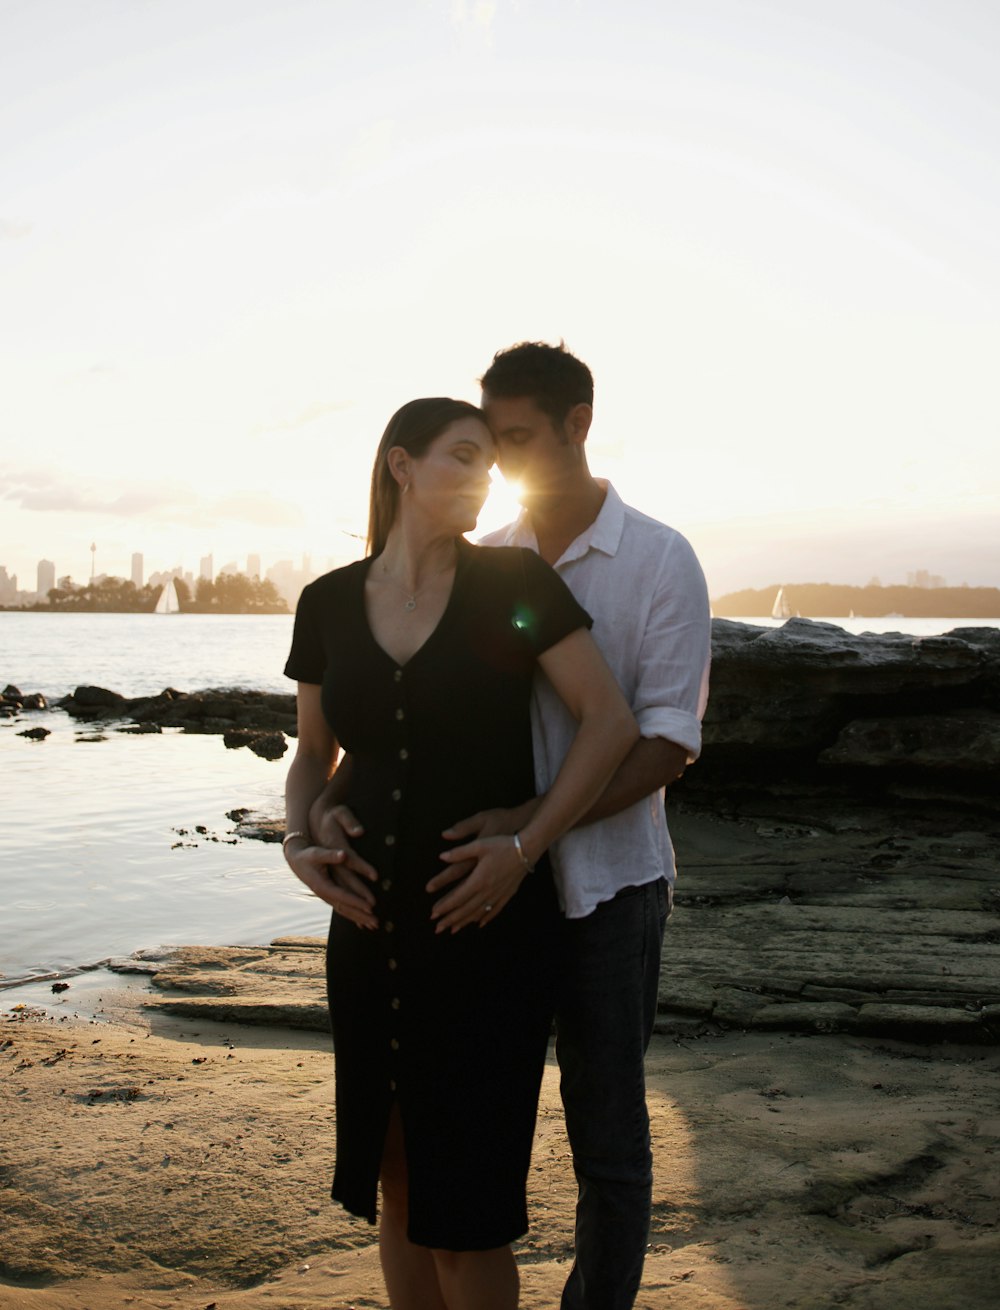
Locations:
460 557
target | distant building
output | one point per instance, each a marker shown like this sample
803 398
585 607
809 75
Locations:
253 566
137 568
46 577
924 579
289 580
205 569
8 587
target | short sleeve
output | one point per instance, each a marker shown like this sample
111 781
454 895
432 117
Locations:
547 611
307 658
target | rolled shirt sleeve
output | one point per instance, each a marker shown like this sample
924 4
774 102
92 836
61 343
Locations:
672 666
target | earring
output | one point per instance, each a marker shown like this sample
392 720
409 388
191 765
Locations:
406 487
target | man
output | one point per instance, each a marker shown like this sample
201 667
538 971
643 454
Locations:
643 587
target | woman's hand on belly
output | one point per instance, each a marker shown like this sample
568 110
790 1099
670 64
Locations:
488 869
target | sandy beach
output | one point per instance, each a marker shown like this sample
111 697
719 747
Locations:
824 1083
150 1163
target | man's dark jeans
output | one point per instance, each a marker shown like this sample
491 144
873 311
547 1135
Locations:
607 1004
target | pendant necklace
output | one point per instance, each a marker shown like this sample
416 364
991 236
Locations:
410 604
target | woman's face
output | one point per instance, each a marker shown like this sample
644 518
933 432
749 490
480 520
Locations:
450 481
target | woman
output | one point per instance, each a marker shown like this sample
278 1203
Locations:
418 661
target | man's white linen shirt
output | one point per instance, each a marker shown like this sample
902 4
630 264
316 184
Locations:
642 584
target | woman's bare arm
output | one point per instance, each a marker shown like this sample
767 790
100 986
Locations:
315 757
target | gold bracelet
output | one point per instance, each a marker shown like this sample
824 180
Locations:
520 850
289 835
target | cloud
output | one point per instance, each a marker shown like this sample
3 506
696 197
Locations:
12 230
171 503
316 409
256 507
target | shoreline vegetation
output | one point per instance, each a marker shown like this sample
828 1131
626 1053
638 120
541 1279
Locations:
235 593
830 600
230 593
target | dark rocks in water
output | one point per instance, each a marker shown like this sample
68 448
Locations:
97 698
139 729
12 699
268 745
803 709
244 718
36 734
233 738
257 827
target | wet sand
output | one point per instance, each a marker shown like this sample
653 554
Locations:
172 1156
155 1163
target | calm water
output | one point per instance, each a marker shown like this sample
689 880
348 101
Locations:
140 654
90 865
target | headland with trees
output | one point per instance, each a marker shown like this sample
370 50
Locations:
830 600
229 593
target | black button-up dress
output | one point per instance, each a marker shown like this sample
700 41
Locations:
453 1027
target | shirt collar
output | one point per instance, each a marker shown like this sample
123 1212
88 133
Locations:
604 534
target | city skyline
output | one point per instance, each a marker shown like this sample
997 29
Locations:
234 239
290 572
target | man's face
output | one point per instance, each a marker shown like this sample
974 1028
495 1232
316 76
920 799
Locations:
531 449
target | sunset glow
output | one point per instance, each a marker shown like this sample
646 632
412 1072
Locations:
234 238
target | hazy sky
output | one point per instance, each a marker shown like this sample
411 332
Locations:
236 234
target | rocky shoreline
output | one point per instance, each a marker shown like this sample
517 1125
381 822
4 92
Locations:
824 1080
806 705
839 927
837 840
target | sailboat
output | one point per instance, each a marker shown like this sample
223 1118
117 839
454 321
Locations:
167 602
781 608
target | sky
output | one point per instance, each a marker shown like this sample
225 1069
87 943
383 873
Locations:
235 235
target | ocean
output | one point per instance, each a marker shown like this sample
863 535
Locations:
115 845
100 850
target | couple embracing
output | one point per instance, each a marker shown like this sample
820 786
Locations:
493 842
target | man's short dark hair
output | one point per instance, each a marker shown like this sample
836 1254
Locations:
549 375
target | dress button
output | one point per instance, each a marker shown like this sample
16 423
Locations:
404 754
398 676
386 884
400 714
397 795
390 840
395 1002
390 926
393 964
394 1044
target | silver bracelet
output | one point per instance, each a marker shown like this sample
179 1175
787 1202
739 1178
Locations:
289 835
520 850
